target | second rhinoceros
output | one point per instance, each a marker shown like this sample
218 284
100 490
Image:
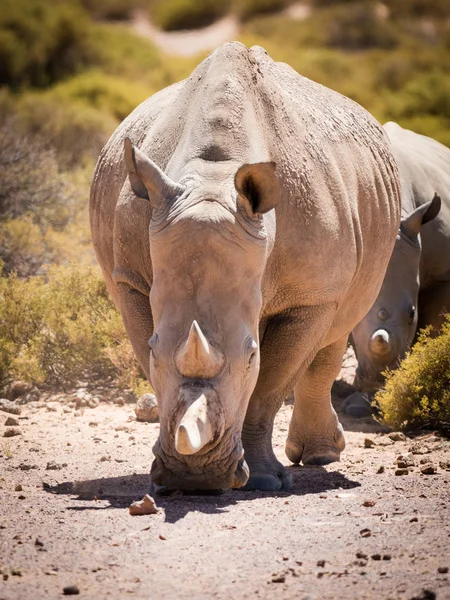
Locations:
237 217
416 289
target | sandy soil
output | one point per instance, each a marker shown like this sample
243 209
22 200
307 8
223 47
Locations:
346 530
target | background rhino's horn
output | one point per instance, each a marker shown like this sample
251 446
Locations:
380 342
195 429
197 358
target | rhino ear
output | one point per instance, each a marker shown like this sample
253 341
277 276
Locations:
427 212
147 180
258 187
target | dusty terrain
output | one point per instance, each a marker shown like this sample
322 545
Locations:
347 530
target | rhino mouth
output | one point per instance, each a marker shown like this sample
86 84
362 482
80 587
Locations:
209 471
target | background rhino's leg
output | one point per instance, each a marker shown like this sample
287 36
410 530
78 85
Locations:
286 352
433 304
138 321
315 434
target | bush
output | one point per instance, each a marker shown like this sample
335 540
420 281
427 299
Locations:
417 394
59 329
41 42
75 131
114 96
110 9
186 14
249 8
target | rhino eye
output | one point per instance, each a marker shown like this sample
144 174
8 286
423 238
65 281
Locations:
412 314
382 314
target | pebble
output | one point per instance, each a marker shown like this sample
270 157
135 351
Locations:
380 469
401 472
369 503
320 563
11 432
428 469
442 570
9 407
365 533
397 436
11 422
54 466
376 557
19 388
146 506
147 409
368 443
71 590
18 488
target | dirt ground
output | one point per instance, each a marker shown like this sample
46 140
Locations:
345 531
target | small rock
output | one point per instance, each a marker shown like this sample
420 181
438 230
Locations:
12 432
397 436
445 465
93 424
104 458
71 590
414 520
27 467
93 402
67 410
147 409
419 448
16 572
428 469
320 563
368 443
53 406
380 469
362 555
54 466
9 407
38 542
369 503
387 557
442 570
162 537
19 388
401 471
12 422
376 557
365 533
18 488
425 595
146 506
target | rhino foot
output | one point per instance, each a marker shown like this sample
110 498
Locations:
316 450
270 482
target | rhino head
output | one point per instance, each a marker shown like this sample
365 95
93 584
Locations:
385 334
210 239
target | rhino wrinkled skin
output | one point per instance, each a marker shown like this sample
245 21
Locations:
237 217
416 288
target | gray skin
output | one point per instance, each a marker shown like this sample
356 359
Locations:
261 224
416 288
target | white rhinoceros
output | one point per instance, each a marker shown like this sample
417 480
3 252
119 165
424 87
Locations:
416 288
243 232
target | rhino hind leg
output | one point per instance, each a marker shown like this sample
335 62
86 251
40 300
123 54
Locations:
315 435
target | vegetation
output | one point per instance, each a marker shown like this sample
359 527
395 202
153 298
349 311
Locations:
417 395
71 70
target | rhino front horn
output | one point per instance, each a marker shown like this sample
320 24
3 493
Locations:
197 359
195 429
380 342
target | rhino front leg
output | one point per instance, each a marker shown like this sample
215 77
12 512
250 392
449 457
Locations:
315 434
286 351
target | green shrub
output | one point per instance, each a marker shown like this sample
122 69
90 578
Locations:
114 96
110 9
249 8
62 328
186 14
41 42
73 129
417 394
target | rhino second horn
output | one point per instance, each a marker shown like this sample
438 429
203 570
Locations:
195 429
197 358
380 342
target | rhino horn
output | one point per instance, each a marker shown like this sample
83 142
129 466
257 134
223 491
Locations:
197 358
195 429
380 342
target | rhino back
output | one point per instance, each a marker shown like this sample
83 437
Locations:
424 166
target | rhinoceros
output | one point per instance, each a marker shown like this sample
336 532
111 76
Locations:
237 217
416 288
